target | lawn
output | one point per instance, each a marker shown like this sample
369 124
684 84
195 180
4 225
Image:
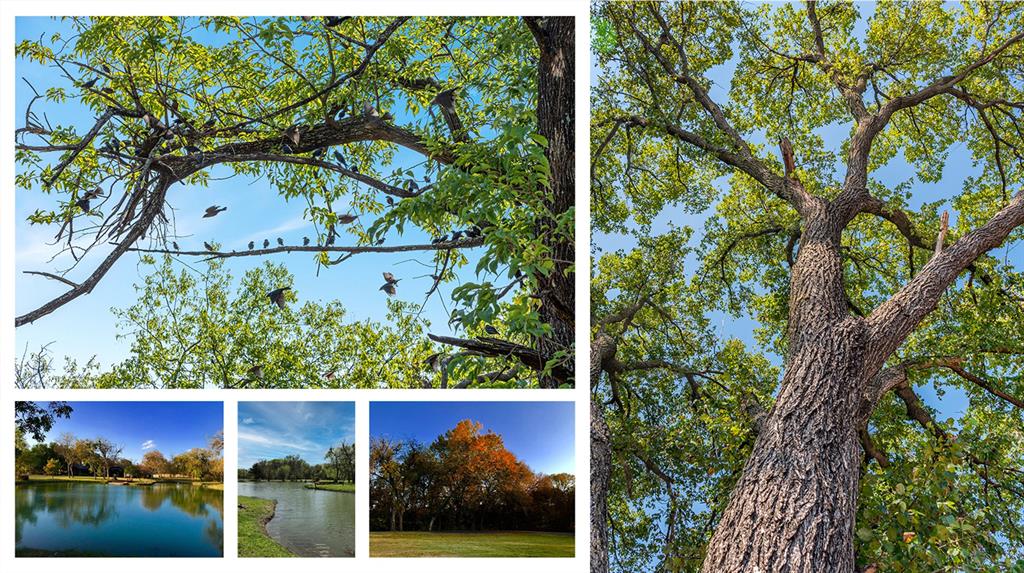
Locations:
253 540
471 544
349 487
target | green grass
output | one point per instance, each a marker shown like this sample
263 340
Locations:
253 540
348 487
471 544
85 479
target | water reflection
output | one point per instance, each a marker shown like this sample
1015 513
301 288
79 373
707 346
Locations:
310 523
121 520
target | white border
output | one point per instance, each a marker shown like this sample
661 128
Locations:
9 9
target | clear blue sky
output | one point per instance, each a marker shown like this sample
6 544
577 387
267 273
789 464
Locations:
538 433
958 169
255 211
268 430
170 427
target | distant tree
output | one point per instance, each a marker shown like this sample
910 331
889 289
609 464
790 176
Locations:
53 467
154 463
65 448
107 453
35 420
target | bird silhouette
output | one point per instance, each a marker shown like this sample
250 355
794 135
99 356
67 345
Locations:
491 330
319 152
89 83
287 149
209 247
389 288
456 235
339 157
441 239
277 296
305 241
251 245
105 68
83 204
332 21
473 232
346 219
411 185
390 278
390 201
175 245
292 133
280 242
190 149
213 211
256 372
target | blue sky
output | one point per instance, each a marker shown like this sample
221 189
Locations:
255 211
268 430
538 433
170 427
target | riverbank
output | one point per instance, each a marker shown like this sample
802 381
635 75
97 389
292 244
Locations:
253 540
38 479
471 544
345 487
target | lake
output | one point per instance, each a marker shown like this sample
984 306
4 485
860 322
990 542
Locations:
311 523
93 519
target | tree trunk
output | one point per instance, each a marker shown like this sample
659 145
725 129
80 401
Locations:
601 349
793 508
556 120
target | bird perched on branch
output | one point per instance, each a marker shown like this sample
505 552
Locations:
175 245
491 330
293 135
252 245
89 83
340 158
213 211
209 247
276 296
305 241
445 100
256 372
319 152
280 242
389 284
441 239
473 232
266 243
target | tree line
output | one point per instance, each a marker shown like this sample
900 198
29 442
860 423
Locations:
100 457
339 466
465 480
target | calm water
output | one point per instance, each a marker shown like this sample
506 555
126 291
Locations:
311 523
177 520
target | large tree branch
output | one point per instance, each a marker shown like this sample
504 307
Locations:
446 246
893 320
504 349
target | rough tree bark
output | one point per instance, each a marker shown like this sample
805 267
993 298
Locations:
556 119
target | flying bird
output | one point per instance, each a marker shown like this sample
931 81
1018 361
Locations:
83 204
213 211
280 242
251 245
277 296
389 283
266 243
346 219
390 278
389 288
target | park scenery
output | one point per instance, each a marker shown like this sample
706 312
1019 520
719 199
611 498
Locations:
92 479
295 202
296 479
472 479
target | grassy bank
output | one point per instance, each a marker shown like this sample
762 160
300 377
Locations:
86 479
471 544
253 539
347 487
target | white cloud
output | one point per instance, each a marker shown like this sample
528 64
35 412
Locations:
148 444
269 441
248 421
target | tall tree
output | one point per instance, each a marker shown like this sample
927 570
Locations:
321 112
35 420
107 452
813 139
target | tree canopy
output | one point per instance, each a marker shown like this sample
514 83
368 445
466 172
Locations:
452 131
737 150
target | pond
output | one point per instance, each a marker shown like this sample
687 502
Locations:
311 523
93 519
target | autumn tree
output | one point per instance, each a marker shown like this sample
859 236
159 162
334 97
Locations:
460 129
154 463
107 452
857 169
